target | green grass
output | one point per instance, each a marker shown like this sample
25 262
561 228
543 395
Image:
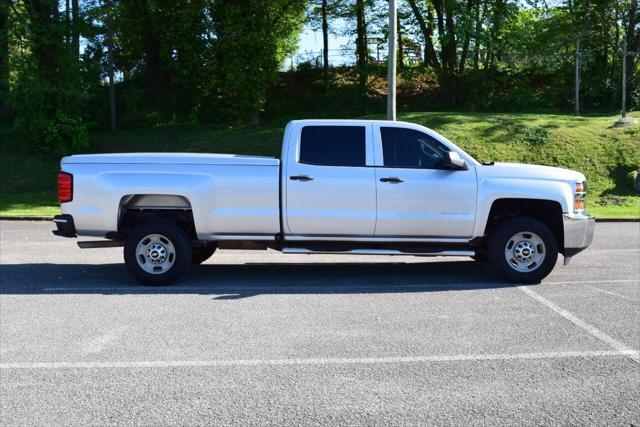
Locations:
630 210
588 144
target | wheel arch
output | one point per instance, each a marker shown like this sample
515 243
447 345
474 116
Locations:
549 212
137 208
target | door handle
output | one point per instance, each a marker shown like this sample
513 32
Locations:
301 178
392 179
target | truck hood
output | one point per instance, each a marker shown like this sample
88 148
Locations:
524 171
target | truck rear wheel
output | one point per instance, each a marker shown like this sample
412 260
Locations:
157 253
522 250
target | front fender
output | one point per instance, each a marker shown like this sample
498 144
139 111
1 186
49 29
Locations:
492 189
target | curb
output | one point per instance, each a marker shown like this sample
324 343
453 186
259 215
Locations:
26 218
44 218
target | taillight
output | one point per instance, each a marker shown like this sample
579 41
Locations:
65 187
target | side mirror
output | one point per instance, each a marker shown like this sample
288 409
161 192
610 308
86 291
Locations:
453 161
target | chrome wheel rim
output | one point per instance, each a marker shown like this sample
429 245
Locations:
525 251
155 254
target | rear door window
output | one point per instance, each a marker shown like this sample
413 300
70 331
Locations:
333 145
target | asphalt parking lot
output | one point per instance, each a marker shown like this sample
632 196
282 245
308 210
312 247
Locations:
264 338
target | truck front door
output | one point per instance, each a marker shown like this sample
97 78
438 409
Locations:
329 181
416 196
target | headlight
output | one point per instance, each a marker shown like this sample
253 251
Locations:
580 196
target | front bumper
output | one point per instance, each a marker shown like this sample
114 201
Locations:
65 226
578 233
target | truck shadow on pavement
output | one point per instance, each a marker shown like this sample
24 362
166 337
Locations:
236 281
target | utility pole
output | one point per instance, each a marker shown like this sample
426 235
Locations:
112 85
578 76
391 76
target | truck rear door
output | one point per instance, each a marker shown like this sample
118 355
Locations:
328 183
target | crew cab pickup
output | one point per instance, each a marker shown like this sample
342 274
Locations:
340 187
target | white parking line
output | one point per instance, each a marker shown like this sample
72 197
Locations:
612 293
584 282
316 361
593 251
612 342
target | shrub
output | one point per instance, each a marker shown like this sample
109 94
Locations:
64 135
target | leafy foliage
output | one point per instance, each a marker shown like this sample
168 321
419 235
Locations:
221 61
45 96
253 38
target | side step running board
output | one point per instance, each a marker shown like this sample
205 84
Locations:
92 244
380 252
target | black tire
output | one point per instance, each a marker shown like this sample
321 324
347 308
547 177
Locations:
173 237
503 235
201 253
481 256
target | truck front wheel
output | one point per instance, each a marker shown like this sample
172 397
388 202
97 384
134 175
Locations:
157 253
522 250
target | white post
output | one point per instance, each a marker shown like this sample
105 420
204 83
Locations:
391 77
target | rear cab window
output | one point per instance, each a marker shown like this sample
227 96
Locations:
333 146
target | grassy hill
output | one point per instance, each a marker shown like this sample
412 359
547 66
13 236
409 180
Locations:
605 155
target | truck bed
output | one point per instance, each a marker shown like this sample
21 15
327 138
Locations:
231 196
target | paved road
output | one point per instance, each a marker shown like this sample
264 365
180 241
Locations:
263 338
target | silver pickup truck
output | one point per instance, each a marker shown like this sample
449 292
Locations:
341 187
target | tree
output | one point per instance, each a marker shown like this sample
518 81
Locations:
46 96
325 36
164 51
75 29
632 36
361 43
426 28
253 38
4 60
319 16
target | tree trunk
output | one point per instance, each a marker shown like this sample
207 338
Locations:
400 46
450 36
478 32
466 35
498 13
325 37
361 43
633 43
110 68
48 49
4 59
430 56
616 39
444 57
75 43
67 23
